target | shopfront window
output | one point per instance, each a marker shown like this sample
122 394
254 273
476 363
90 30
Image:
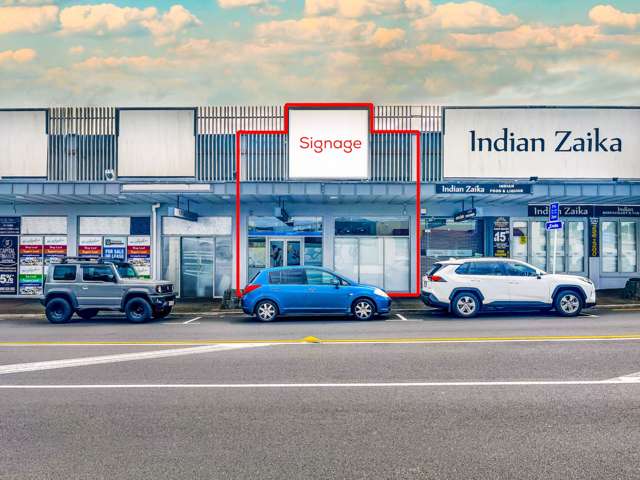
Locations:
520 247
374 251
443 239
619 246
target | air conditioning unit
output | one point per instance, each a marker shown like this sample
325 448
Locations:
110 175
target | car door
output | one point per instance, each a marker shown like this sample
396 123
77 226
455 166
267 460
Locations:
289 287
525 285
325 292
488 277
99 287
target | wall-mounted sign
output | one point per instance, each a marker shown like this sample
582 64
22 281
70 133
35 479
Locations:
501 237
484 188
617 210
139 255
183 214
573 210
328 144
465 215
31 270
543 142
90 247
594 237
9 225
8 265
55 249
115 248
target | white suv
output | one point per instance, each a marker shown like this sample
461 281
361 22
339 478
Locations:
465 287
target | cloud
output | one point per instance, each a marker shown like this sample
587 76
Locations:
240 3
423 54
609 16
386 37
361 8
142 62
525 36
466 16
27 19
22 55
108 18
76 50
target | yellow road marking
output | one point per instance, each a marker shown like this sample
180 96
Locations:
532 338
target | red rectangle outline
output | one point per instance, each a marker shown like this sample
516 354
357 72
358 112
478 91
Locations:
372 129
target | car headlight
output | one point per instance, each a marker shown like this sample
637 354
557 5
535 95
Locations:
380 293
159 288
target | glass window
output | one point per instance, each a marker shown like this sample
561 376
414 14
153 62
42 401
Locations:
575 246
538 245
396 264
609 246
519 270
346 257
98 273
126 270
313 251
64 272
294 276
371 261
485 268
520 243
556 245
368 226
320 277
628 255
285 226
443 239
223 262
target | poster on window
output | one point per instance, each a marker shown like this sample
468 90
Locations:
31 271
501 237
55 249
90 247
115 248
8 265
139 254
10 226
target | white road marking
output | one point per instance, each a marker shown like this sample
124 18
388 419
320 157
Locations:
192 320
589 315
123 357
631 378
325 385
402 318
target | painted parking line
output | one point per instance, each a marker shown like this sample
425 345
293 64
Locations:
123 357
191 321
369 385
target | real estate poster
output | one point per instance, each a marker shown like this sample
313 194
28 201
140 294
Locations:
90 247
55 249
8 265
115 248
31 270
139 254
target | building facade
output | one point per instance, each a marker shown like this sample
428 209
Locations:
208 196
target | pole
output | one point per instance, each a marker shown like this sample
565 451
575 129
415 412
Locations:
555 249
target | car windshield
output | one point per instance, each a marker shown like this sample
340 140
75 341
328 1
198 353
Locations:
126 270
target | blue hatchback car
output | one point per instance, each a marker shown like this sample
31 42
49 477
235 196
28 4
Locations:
309 290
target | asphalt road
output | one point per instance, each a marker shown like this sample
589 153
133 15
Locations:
418 397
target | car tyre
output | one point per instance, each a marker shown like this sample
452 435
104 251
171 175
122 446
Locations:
58 310
138 310
88 313
162 313
568 303
465 305
266 311
363 309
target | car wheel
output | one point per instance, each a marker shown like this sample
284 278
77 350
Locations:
58 310
266 311
568 303
363 309
162 313
138 310
465 305
88 313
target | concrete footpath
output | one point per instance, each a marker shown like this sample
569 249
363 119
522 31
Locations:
607 299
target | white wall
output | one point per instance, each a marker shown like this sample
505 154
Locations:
460 161
23 144
156 143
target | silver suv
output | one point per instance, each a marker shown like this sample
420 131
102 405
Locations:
87 286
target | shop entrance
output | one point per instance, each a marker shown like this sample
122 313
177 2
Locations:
197 256
285 252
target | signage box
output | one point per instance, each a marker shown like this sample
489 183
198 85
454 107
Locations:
183 214
484 188
465 215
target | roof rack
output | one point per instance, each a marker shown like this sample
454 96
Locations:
90 260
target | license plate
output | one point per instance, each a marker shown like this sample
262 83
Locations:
171 302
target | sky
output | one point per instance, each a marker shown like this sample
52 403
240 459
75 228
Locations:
267 52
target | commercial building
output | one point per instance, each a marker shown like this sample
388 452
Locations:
208 196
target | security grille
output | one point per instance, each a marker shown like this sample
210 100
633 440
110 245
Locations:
82 144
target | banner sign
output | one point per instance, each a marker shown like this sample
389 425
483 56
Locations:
8 265
10 226
90 247
31 271
484 188
139 255
115 248
573 210
501 237
55 249
594 237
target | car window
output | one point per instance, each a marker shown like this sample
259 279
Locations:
64 272
463 269
97 273
320 277
126 270
435 268
484 268
294 276
520 270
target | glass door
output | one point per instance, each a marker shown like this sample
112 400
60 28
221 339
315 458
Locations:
197 267
285 252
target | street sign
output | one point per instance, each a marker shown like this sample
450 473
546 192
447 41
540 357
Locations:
557 225
554 212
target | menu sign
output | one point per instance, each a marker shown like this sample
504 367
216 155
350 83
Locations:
501 237
139 254
8 265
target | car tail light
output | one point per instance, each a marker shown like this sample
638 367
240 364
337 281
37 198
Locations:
250 288
436 278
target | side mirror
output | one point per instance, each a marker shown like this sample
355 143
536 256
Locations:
335 283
